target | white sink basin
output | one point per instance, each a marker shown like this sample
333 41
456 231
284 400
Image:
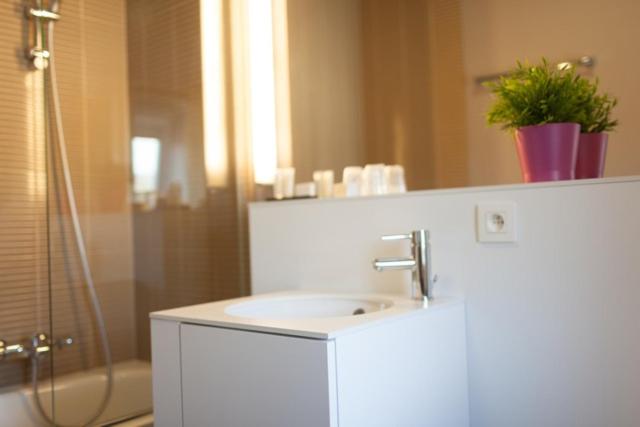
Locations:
307 307
303 314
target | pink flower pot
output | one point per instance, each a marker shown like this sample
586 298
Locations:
548 152
592 151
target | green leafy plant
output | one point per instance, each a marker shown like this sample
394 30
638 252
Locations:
535 95
597 112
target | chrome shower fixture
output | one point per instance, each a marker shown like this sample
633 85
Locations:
39 54
39 345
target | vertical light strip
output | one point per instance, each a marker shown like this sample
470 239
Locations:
240 88
262 91
213 92
283 90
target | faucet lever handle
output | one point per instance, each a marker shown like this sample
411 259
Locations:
390 237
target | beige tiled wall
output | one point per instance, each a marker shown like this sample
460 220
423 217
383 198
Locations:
325 44
24 302
92 72
413 84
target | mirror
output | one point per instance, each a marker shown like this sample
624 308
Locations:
397 82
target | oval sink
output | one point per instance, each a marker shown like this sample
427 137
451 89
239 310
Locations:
307 306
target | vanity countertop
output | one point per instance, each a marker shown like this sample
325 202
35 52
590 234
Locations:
218 314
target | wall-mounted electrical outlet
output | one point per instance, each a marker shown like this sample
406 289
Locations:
496 222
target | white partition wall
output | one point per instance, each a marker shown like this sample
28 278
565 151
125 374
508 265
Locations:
553 323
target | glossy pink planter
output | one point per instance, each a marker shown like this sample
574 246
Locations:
548 152
592 151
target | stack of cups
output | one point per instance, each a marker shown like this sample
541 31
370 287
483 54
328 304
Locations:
374 179
352 181
284 183
394 178
324 183
373 182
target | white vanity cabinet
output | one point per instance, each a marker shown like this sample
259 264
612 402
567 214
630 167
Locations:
407 369
241 378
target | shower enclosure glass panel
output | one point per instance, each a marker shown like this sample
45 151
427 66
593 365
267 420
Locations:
157 236
25 304
189 232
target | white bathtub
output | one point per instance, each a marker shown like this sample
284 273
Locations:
77 395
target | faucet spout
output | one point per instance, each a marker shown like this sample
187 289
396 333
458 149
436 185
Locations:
385 264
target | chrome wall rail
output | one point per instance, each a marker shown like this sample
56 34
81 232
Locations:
585 61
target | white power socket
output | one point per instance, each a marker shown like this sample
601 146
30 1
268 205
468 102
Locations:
496 222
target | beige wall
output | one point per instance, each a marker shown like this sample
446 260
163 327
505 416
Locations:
397 77
91 55
413 97
497 32
375 81
326 89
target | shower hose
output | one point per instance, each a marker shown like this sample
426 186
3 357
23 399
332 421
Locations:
81 247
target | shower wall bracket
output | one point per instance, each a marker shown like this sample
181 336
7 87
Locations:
42 14
38 54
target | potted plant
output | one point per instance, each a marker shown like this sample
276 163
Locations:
543 106
594 123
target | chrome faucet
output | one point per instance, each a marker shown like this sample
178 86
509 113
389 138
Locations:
419 263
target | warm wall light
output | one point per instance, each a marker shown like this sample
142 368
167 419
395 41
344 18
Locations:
262 90
213 93
282 82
